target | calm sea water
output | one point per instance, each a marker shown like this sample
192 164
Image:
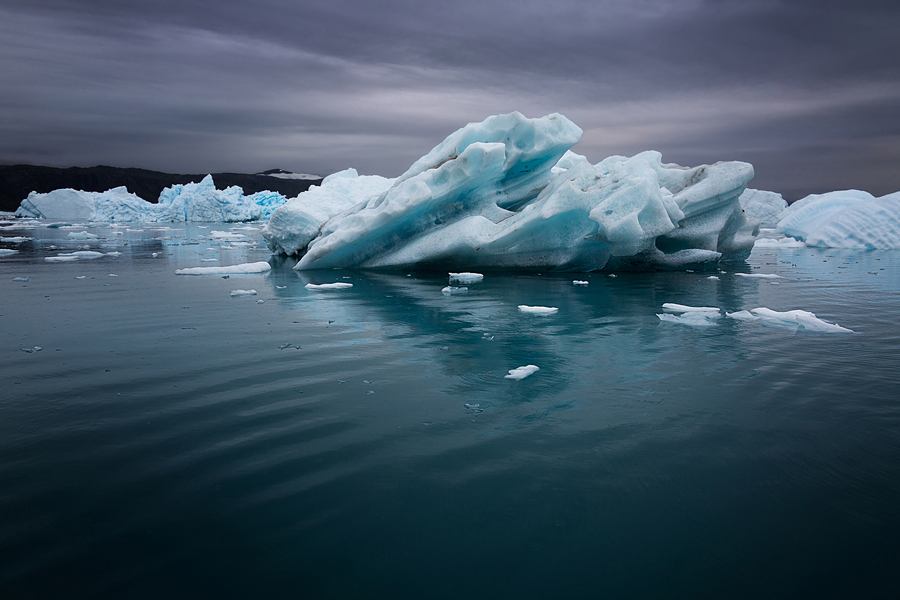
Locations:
171 441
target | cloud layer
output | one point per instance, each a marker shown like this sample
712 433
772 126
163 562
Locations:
809 92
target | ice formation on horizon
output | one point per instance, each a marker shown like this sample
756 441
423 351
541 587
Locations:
190 202
508 193
844 219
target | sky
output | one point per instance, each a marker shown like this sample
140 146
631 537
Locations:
808 91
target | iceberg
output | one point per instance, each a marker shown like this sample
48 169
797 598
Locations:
243 269
191 202
522 372
844 219
508 193
763 206
792 319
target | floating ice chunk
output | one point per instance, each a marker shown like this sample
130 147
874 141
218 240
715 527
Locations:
521 372
695 319
246 268
697 316
260 301
209 260
466 278
87 254
114 253
759 275
329 286
82 235
112 275
61 258
784 242
31 350
580 282
681 308
236 293
713 278
762 205
538 310
20 279
16 240
450 290
792 319
7 251
155 254
226 235
81 277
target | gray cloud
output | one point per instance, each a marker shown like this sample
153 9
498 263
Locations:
807 91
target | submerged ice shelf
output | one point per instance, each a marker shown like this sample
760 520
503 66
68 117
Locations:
508 193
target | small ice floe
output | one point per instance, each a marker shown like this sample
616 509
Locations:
713 278
246 268
291 346
329 286
211 249
521 372
20 279
260 301
792 319
30 350
7 251
759 275
538 310
114 253
611 275
466 278
16 240
155 254
226 236
475 408
787 242
209 260
580 282
61 258
696 316
81 277
82 235
112 275
451 291
280 287
237 293
86 254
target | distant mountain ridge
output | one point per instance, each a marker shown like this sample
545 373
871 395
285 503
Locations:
17 181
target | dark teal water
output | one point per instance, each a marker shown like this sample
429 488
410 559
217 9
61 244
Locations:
170 441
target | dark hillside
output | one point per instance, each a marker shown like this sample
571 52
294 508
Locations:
17 181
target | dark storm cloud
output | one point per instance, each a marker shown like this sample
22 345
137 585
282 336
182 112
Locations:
321 86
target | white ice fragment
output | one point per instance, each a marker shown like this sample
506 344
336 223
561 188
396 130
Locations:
114 253
466 278
236 293
681 308
696 319
209 260
226 235
450 290
81 277
7 252
61 258
280 287
611 275
247 268
82 235
521 372
155 254
329 286
86 254
713 278
16 239
792 319
112 275
759 275
538 310
20 279
783 242
260 301
580 282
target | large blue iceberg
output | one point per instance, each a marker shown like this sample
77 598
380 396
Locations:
508 193
844 219
191 202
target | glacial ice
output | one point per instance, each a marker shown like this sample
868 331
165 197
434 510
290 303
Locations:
189 202
293 226
763 206
466 278
759 275
521 372
7 251
328 286
695 316
844 219
792 319
238 293
508 193
538 310
243 269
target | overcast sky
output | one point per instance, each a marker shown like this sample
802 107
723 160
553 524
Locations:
806 90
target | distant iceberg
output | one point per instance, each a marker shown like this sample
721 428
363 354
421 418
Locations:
191 202
844 219
508 193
